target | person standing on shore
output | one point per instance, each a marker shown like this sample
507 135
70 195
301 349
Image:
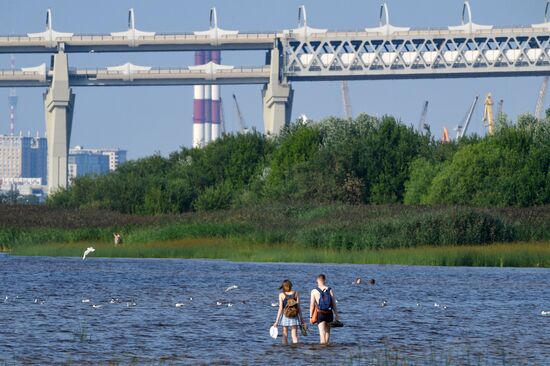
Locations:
290 313
322 308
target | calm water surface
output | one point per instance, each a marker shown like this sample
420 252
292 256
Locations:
492 314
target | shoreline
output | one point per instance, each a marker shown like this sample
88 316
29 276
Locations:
515 254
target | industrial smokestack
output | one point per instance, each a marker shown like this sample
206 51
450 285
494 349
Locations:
208 102
198 106
215 105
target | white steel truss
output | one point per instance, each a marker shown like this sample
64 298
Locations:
421 54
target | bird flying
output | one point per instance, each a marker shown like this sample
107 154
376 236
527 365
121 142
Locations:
231 288
88 251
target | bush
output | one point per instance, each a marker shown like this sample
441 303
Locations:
440 228
218 197
363 161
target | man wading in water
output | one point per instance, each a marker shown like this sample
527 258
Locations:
322 308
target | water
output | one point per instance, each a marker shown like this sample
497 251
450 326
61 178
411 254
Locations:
492 314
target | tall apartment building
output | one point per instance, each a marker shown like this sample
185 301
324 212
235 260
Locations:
116 156
23 157
84 162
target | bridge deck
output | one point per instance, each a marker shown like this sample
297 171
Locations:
160 76
240 41
159 42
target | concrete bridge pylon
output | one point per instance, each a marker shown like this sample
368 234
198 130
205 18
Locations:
58 104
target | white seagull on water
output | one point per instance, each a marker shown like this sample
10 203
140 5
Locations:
88 251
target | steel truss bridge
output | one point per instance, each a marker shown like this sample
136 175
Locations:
294 55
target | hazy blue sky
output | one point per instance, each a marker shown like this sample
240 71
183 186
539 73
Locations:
148 119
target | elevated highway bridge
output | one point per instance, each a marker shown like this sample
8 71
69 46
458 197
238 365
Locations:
302 54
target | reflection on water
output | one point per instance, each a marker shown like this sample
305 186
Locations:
111 310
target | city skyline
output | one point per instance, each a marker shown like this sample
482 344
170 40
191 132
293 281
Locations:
145 119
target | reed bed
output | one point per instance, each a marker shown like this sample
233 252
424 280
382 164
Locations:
530 254
423 235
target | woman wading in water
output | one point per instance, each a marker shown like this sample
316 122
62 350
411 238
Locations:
289 313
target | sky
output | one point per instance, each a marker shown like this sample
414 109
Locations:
146 120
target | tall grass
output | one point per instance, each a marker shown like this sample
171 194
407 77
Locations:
533 254
321 227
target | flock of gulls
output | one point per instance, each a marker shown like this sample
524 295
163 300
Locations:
132 303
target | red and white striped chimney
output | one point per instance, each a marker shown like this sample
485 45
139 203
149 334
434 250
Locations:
199 105
215 105
208 102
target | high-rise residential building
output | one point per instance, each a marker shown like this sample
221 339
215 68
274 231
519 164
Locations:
85 162
23 157
116 156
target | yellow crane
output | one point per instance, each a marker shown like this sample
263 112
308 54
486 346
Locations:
488 116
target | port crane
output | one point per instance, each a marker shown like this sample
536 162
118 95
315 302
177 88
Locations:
539 109
500 111
240 118
345 99
544 87
488 116
462 128
222 116
422 123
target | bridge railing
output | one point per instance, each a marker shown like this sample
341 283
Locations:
172 70
158 36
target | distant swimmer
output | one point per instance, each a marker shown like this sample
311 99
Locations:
359 281
289 314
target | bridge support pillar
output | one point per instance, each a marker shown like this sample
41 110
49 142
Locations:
58 104
277 98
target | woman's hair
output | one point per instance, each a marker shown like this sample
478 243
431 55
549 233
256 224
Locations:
322 277
286 286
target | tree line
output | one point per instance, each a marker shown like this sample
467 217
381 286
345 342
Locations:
366 160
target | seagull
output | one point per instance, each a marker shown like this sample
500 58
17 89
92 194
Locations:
218 303
97 306
231 288
86 300
180 304
130 304
384 303
436 305
544 313
274 304
39 302
229 305
88 251
190 299
6 299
